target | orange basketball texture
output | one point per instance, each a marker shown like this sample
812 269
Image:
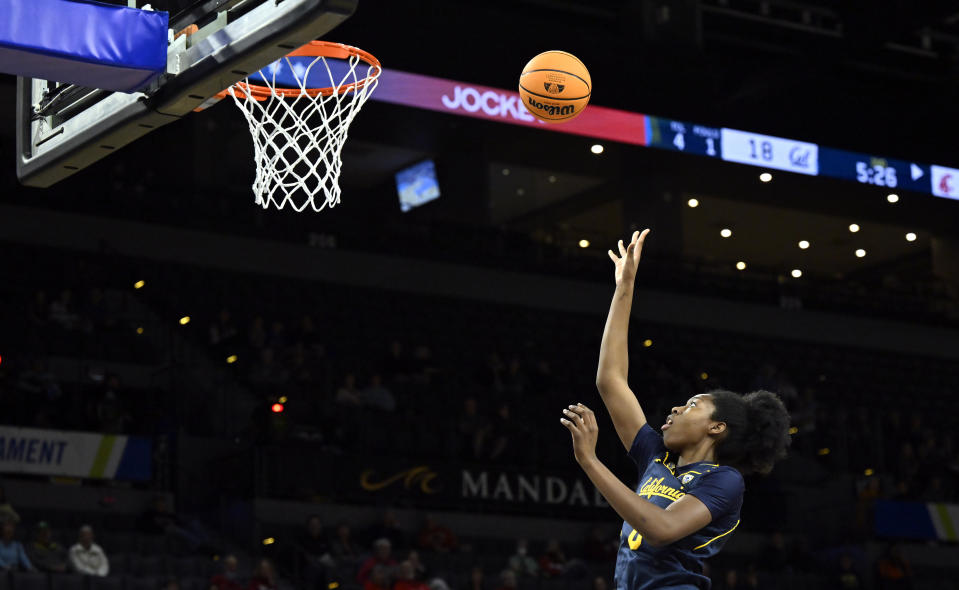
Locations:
555 86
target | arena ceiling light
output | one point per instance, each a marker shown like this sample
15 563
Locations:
803 244
892 198
765 177
910 237
725 232
693 203
597 148
741 265
853 227
796 273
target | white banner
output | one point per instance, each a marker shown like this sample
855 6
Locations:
58 452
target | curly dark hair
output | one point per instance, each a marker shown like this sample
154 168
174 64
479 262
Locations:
757 430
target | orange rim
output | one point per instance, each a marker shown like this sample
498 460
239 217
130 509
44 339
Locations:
312 49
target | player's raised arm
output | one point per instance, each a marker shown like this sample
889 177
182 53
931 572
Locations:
624 408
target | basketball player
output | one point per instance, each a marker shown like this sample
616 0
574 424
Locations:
688 500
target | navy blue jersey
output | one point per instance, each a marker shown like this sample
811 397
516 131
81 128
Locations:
639 565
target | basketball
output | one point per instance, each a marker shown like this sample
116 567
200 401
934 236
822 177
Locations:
555 86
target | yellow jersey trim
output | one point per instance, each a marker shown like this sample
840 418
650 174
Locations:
718 537
648 495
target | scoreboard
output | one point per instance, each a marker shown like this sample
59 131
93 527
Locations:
778 153
629 127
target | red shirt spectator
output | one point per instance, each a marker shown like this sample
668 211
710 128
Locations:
264 577
437 537
382 549
406 578
228 579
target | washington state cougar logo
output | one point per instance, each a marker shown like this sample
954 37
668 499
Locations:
553 88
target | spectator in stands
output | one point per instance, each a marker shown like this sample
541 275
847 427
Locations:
344 549
731 580
159 519
156 519
419 568
935 491
266 371
39 312
521 563
229 578
599 583
390 529
502 431
62 311
553 561
377 396
347 394
396 366
406 578
847 578
477 579
471 429
86 557
436 537
379 579
599 548
277 340
317 553
307 333
256 337
507 580
223 331
12 555
46 554
111 416
264 576
775 556
895 571
382 556
6 509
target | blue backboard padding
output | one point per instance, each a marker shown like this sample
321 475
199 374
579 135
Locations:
86 43
290 71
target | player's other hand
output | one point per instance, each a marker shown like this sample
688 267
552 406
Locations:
581 423
628 258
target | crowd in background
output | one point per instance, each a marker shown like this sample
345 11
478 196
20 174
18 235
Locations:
473 380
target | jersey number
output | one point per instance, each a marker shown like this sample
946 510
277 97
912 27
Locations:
635 540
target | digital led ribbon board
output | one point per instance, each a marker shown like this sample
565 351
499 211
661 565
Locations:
731 145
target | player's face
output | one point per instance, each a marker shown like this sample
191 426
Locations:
688 424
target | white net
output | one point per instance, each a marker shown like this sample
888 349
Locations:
298 134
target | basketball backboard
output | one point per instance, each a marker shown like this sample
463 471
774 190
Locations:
63 128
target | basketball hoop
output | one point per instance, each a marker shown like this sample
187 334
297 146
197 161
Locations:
298 126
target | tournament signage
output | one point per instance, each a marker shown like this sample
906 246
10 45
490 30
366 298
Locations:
74 454
476 487
505 106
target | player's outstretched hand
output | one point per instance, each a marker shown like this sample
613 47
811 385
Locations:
581 423
628 258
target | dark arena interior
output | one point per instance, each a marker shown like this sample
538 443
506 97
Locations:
369 397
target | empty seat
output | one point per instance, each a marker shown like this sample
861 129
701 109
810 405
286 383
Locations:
68 582
30 581
141 583
106 583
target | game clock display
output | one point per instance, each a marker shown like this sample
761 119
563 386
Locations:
875 170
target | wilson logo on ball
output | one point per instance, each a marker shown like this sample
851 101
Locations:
553 88
550 109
